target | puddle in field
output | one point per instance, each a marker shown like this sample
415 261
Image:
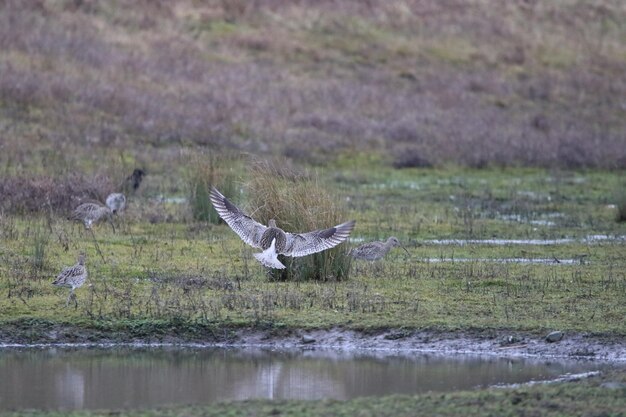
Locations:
533 195
501 242
544 219
172 200
591 239
67 378
410 185
538 261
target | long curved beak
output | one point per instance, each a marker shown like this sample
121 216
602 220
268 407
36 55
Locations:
407 252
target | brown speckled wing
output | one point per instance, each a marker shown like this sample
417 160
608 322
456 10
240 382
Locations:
248 229
302 244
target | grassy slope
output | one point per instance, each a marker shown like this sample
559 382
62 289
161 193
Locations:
420 82
559 399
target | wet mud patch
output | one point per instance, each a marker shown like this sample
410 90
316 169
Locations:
500 343
609 347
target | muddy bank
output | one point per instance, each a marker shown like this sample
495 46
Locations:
501 343
491 342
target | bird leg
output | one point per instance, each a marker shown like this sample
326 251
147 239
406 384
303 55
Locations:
70 296
111 223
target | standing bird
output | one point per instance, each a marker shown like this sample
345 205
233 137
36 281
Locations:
90 213
72 277
273 240
374 251
116 202
133 181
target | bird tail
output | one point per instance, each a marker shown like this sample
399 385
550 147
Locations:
269 257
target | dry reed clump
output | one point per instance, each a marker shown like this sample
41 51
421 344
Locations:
45 194
299 203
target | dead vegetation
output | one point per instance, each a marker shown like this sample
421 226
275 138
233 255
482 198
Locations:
47 194
427 83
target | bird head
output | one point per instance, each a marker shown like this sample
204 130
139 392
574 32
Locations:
395 242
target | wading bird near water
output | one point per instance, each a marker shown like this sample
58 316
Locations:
90 213
273 240
374 251
72 277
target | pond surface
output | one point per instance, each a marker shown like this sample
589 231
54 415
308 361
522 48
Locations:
65 378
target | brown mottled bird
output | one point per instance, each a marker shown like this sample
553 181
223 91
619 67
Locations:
72 277
374 251
90 213
273 240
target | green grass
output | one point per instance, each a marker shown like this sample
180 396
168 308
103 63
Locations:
201 273
600 395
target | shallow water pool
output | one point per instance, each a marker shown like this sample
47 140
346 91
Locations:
68 378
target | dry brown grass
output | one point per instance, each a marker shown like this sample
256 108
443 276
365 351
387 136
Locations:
46 194
477 83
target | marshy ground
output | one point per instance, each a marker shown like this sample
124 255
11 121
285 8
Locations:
488 138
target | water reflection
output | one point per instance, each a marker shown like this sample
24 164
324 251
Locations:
81 378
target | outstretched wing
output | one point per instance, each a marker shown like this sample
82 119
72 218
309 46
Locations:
249 230
302 244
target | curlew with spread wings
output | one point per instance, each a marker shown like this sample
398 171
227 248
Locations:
274 241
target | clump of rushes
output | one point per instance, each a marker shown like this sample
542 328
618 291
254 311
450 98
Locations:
207 169
299 203
39 245
620 216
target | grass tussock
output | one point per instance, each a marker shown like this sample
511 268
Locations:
206 169
299 203
39 246
620 215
